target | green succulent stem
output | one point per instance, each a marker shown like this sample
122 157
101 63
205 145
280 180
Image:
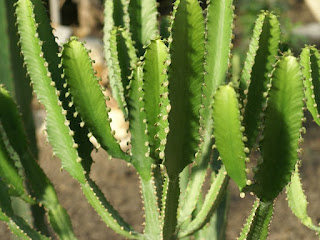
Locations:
297 200
210 204
257 225
170 214
152 217
184 121
106 211
192 192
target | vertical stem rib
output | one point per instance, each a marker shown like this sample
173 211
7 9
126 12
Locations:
170 220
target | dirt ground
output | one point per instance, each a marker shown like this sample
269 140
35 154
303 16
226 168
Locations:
121 186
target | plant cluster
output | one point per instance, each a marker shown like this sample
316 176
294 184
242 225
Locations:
185 119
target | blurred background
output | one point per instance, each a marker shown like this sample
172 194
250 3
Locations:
300 23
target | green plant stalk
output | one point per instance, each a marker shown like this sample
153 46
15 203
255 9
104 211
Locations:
187 48
92 110
140 151
143 22
282 129
10 173
228 129
58 131
297 200
13 75
121 60
257 225
170 219
115 15
218 37
216 228
210 204
191 194
256 72
156 102
165 101
42 189
310 63
16 224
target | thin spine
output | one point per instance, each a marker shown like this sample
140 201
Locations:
165 109
159 179
114 73
216 228
246 228
114 16
140 149
22 229
170 208
164 199
127 57
183 182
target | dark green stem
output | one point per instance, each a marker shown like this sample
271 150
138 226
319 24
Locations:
159 180
39 222
170 220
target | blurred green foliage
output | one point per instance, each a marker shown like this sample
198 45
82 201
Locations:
247 11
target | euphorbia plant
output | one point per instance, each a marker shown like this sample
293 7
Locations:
183 117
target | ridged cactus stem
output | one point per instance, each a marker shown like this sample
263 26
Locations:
170 219
59 133
42 189
184 121
210 204
152 217
192 192
13 76
257 225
